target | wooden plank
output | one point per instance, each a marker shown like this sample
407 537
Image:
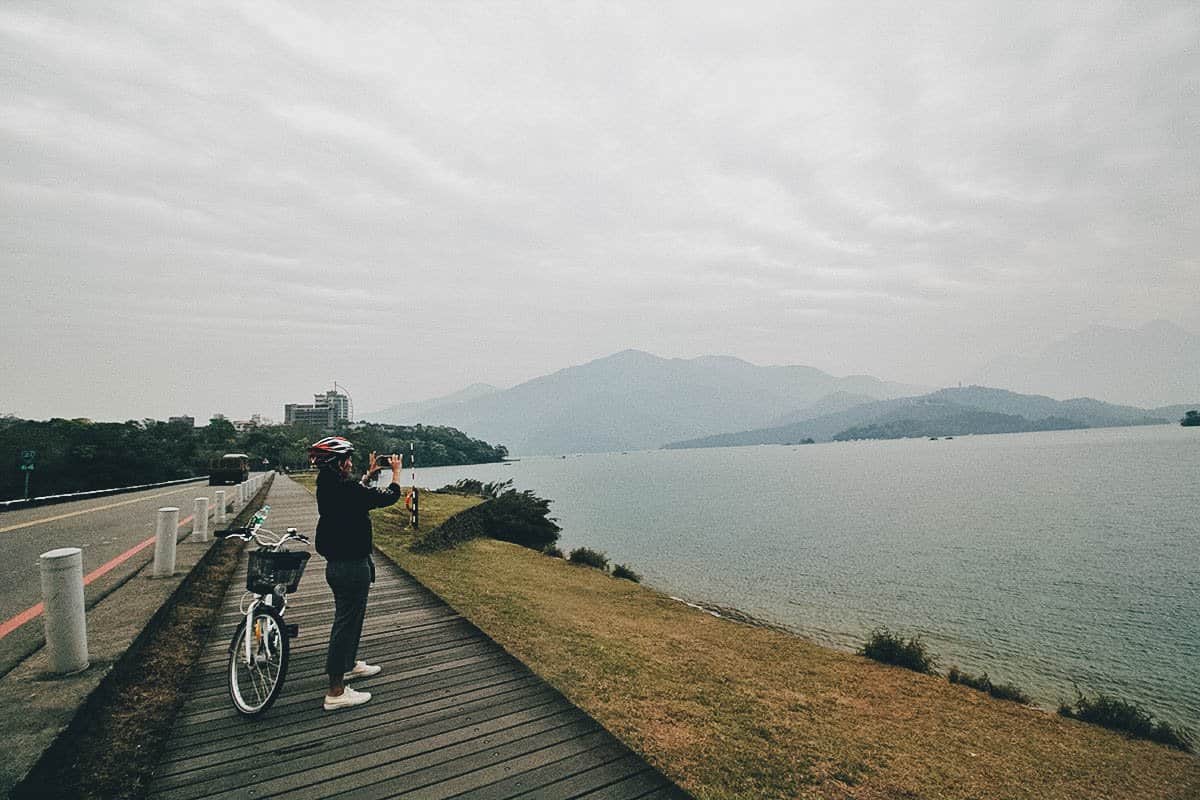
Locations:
627 778
470 774
420 766
535 774
322 724
353 754
535 704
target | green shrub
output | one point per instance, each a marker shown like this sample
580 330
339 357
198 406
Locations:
589 558
1000 691
522 518
474 488
622 571
1119 715
890 648
552 550
518 517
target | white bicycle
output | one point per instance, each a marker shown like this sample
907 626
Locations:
258 652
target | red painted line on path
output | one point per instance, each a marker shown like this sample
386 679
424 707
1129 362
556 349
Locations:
21 619
33 612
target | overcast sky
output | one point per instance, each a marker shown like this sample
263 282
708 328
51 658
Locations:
227 207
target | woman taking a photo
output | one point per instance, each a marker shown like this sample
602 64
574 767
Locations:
344 539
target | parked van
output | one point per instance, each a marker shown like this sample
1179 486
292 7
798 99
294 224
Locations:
229 468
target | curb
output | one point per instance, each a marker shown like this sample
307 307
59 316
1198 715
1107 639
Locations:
51 499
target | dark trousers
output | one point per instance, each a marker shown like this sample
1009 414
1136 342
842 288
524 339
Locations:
350 581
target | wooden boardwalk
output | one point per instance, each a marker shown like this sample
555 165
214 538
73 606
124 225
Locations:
452 714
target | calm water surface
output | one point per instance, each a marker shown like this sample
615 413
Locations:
1046 559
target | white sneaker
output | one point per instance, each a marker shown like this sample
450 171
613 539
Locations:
362 670
346 699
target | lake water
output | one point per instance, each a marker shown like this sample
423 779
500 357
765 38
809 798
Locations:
1046 559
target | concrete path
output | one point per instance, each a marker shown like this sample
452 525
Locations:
453 715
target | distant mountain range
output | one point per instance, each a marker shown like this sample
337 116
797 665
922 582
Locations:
635 400
946 412
1157 364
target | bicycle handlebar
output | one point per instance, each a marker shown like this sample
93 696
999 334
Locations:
252 531
246 534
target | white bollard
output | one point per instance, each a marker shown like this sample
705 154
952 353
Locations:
164 545
200 520
219 515
63 619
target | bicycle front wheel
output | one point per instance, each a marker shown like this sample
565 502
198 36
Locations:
256 677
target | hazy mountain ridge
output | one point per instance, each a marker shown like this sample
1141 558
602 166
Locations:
1156 364
636 400
961 422
418 408
946 412
829 404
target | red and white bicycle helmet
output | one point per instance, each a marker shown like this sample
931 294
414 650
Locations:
329 450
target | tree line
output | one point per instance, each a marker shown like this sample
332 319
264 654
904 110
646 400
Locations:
75 455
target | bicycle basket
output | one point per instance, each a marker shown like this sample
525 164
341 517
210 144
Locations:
268 568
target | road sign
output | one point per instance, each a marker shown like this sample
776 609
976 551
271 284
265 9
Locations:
27 459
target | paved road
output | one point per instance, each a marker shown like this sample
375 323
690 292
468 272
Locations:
106 528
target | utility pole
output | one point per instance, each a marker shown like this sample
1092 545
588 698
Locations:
416 497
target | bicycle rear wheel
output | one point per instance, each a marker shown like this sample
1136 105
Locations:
256 681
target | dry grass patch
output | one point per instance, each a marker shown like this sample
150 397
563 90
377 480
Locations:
734 711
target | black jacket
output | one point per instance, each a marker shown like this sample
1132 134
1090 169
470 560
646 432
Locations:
344 528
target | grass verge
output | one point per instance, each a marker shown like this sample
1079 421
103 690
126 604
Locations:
737 711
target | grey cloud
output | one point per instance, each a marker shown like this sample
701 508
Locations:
866 188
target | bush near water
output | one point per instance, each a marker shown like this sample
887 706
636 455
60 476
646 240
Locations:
1109 712
519 517
1000 691
623 571
475 488
1119 715
588 557
891 648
